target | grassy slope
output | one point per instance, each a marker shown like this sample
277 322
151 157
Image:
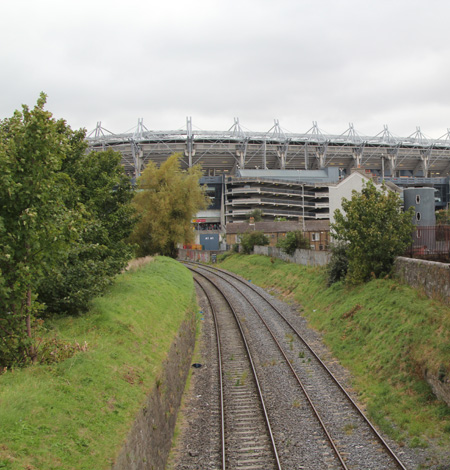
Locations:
384 332
75 414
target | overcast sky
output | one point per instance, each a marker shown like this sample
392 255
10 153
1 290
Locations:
370 63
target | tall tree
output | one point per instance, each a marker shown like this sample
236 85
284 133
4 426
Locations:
375 231
102 192
35 226
64 216
167 199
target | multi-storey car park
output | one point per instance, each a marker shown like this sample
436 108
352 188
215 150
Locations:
283 174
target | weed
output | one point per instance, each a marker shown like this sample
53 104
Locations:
417 442
349 429
240 381
290 339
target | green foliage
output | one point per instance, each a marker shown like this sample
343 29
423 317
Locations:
443 217
338 266
384 332
250 239
224 256
257 215
375 229
52 415
293 241
63 217
100 186
36 228
166 201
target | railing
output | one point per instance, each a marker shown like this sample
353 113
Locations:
272 191
430 243
277 202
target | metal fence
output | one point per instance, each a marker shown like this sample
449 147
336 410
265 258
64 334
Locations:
430 243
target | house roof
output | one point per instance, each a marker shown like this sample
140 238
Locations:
278 227
359 173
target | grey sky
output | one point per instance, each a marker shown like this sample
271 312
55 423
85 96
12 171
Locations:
336 62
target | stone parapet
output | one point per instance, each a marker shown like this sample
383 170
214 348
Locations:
432 277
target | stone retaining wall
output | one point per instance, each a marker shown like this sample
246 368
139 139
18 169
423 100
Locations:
432 277
148 443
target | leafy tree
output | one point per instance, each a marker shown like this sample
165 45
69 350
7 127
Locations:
35 227
250 239
166 201
443 217
375 230
63 218
293 241
103 192
257 215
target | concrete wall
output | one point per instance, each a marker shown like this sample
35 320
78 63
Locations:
148 443
197 255
305 257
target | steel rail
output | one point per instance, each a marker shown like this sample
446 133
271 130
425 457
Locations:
219 359
308 398
397 461
252 366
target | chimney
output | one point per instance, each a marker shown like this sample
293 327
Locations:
251 221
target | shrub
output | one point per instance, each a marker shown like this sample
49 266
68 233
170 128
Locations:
293 241
250 239
338 265
375 229
257 215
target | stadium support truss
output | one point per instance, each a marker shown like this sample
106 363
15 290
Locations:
222 152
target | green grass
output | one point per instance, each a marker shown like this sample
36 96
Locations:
76 414
386 333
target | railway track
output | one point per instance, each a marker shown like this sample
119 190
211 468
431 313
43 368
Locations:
246 436
316 424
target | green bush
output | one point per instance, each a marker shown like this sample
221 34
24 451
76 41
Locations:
375 229
250 239
338 266
257 215
293 241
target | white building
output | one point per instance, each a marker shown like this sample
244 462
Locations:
354 182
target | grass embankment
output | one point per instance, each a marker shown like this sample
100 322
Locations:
386 333
76 414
